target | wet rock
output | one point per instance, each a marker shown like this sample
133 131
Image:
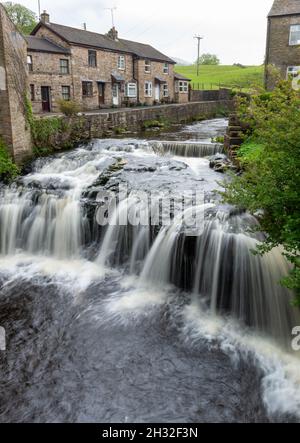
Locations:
140 168
220 163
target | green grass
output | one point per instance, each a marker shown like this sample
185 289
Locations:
213 77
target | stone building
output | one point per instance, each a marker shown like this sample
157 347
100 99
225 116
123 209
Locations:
283 40
97 70
14 130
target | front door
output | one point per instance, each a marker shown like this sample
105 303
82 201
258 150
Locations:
115 94
46 104
157 92
101 87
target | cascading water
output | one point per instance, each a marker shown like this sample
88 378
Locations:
187 149
90 309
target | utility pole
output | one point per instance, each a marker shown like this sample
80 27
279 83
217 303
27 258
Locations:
39 6
112 15
199 38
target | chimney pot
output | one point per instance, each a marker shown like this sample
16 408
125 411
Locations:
113 34
45 17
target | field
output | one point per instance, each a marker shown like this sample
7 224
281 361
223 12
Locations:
213 77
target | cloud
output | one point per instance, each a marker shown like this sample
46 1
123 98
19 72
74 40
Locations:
233 29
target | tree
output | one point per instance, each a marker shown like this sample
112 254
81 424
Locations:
24 19
271 181
209 59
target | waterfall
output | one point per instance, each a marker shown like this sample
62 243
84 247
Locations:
226 274
187 149
41 223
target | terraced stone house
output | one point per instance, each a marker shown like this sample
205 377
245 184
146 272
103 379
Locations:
97 70
283 40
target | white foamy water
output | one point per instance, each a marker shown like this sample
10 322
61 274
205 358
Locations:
281 369
110 332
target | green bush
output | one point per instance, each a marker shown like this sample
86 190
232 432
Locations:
69 107
8 170
150 124
271 179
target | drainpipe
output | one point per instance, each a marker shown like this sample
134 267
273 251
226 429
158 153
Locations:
267 51
134 59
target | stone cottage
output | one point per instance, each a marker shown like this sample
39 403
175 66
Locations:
97 70
283 40
14 129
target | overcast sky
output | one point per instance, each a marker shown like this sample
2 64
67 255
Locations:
235 30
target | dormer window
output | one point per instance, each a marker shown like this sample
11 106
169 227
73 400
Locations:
294 35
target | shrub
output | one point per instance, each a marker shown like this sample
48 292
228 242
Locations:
271 179
69 107
8 169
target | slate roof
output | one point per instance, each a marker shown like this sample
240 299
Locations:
285 7
181 77
81 37
43 45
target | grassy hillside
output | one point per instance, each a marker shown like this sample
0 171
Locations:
211 77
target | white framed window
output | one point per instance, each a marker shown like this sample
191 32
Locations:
166 90
293 71
295 35
147 66
148 89
121 62
66 93
29 63
131 90
166 68
183 87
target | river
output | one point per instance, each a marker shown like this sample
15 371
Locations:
139 323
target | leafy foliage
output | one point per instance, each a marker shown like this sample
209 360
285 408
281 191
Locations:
24 19
8 170
271 180
69 107
208 60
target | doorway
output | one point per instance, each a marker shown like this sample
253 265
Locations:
157 92
115 94
101 92
46 100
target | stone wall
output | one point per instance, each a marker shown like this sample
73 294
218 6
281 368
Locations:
210 95
46 72
157 70
107 63
98 125
13 87
279 52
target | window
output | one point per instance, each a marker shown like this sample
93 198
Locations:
131 90
148 66
183 87
66 92
64 66
32 93
295 35
121 62
148 89
166 90
166 68
87 89
29 63
92 59
293 71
